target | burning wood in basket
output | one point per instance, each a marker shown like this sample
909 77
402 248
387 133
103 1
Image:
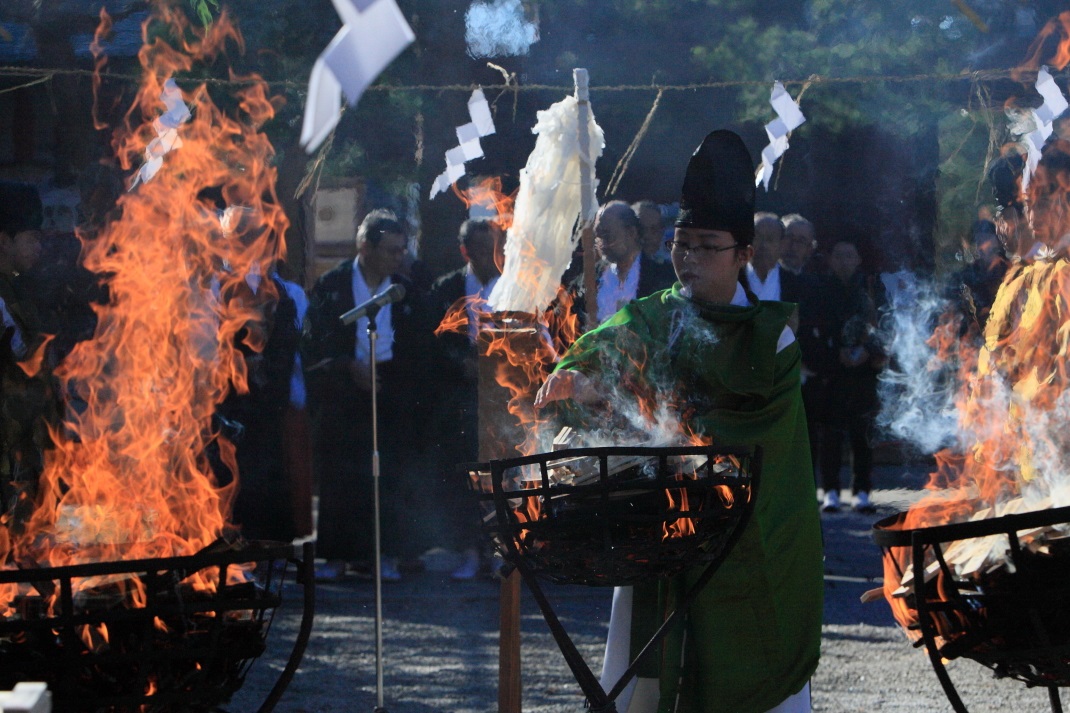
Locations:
990 553
995 590
571 520
119 636
582 470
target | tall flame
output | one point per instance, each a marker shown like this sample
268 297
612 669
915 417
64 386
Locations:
129 475
1058 28
1013 454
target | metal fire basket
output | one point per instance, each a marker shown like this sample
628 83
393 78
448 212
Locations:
1015 623
615 516
179 650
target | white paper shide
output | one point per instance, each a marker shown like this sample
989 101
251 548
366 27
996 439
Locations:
373 33
166 126
789 118
468 146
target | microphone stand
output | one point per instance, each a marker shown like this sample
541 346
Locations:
373 336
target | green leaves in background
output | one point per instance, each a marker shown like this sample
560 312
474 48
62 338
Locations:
204 8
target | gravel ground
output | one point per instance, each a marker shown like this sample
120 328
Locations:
440 641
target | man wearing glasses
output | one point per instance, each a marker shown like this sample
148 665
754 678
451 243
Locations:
337 360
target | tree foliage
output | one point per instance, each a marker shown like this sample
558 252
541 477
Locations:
203 9
866 68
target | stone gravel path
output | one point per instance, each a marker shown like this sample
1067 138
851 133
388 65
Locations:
440 642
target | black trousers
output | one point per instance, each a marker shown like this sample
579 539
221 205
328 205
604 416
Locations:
857 431
342 458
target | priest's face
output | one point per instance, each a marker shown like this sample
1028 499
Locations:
708 262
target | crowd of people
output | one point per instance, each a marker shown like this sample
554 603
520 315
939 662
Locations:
306 422
427 388
794 369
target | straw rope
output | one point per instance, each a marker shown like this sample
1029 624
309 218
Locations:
301 86
626 158
46 78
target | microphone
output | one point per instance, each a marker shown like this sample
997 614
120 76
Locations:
394 293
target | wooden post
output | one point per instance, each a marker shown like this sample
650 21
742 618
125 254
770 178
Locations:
590 279
500 432
509 686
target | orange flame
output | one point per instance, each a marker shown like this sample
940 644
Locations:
129 476
487 194
94 637
1013 390
32 364
100 60
1055 27
681 526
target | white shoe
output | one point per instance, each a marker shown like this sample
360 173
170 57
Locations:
832 501
863 504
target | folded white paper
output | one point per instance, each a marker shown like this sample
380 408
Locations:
373 33
789 118
468 146
1054 101
479 110
166 126
468 138
1043 116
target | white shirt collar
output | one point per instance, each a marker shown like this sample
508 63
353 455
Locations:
767 289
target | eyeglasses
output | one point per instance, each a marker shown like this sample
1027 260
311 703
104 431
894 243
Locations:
697 250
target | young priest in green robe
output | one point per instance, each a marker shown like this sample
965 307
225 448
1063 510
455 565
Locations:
729 367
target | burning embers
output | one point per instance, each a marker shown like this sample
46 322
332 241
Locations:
1014 618
129 476
978 567
180 649
616 516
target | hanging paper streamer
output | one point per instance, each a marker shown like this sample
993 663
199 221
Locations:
166 126
1044 115
468 146
373 33
541 240
789 118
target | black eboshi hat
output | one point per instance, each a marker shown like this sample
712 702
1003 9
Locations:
718 191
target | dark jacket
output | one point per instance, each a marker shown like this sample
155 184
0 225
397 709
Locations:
811 295
327 338
654 276
453 347
328 346
848 315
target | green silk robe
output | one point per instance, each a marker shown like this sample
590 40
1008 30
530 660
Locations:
753 635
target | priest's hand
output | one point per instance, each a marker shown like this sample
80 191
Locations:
567 385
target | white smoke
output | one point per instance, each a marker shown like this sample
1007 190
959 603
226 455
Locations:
1047 455
498 29
640 406
917 390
